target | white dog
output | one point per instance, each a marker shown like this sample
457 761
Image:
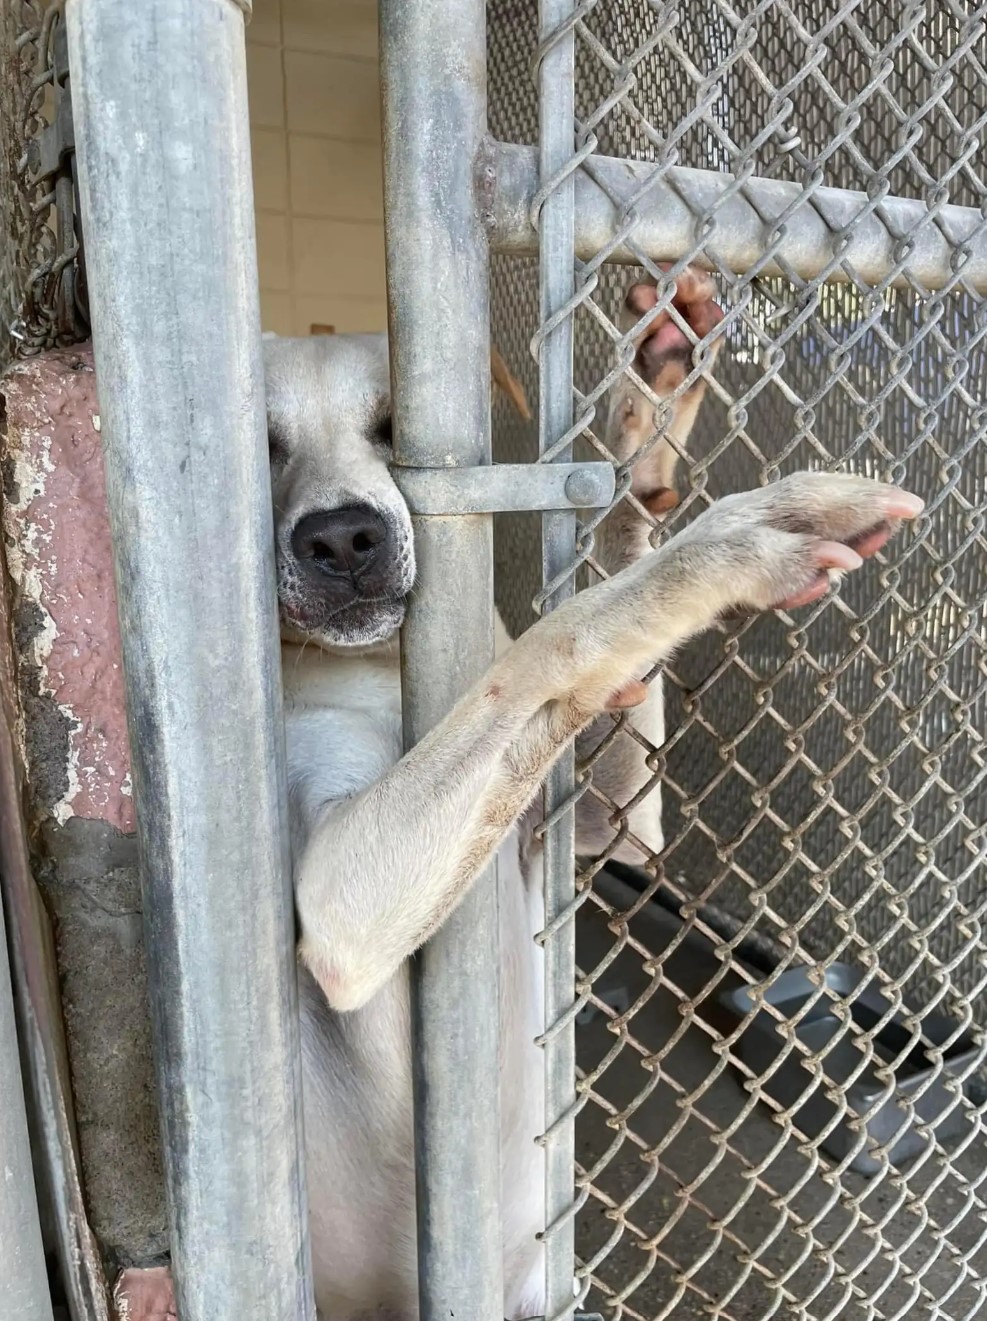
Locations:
385 845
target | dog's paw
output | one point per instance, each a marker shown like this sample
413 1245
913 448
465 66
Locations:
777 547
665 347
784 546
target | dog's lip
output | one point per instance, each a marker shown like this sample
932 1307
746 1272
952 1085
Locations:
298 613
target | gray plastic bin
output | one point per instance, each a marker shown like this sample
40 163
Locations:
762 1041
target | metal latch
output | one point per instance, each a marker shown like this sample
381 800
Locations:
503 488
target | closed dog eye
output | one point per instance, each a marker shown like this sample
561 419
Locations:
382 431
276 447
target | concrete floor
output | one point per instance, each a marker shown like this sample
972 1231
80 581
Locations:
760 1262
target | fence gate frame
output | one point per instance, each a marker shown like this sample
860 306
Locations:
454 196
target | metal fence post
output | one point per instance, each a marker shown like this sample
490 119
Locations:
433 63
22 1258
160 102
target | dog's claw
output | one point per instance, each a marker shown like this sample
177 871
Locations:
835 555
631 694
903 504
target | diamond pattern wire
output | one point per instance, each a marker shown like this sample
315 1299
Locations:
823 775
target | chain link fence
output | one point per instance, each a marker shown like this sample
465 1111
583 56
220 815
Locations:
780 1108
42 285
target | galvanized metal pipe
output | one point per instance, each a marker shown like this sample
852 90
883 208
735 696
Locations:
26 1296
872 242
433 64
556 284
160 100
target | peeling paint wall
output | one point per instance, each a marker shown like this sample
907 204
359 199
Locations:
60 564
73 738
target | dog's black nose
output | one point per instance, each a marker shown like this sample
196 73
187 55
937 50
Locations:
339 541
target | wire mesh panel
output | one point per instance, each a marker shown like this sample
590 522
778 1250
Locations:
790 1124
42 293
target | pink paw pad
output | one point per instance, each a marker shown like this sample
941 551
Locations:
664 339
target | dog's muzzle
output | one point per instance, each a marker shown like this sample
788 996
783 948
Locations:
341 560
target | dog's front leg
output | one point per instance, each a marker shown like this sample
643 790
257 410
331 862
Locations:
625 787
382 870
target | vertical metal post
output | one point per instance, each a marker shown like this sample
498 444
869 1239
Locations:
556 114
433 68
160 101
26 1296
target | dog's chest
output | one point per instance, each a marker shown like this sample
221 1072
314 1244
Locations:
342 728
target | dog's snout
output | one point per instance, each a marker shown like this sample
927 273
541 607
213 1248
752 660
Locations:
340 541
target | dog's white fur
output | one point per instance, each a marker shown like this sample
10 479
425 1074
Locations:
384 846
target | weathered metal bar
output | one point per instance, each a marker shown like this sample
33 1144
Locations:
22 1256
433 63
871 242
160 101
501 487
556 283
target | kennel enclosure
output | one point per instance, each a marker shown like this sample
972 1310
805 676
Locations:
823 773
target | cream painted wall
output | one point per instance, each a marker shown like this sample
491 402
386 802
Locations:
315 132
